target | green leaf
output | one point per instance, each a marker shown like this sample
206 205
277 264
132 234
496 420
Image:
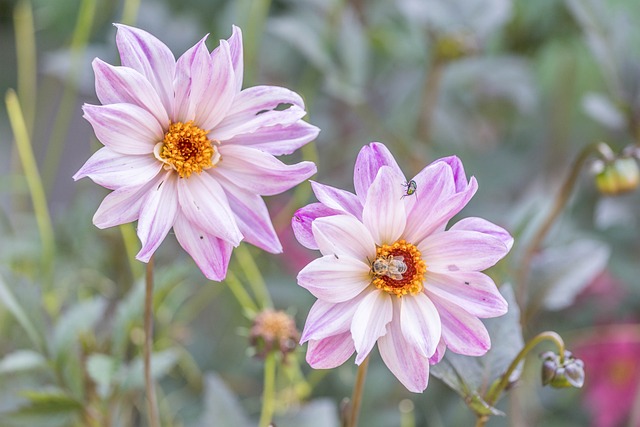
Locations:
102 368
221 406
15 307
131 377
470 376
22 360
80 318
50 407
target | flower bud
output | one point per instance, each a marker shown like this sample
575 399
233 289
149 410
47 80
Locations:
618 176
561 375
273 331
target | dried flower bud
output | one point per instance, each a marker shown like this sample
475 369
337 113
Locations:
561 375
273 330
618 176
454 46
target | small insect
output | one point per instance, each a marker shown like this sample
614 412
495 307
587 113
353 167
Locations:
410 187
390 266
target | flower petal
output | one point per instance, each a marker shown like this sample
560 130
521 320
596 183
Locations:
439 353
278 140
252 216
475 292
384 213
115 85
335 279
124 128
326 319
114 170
420 323
235 45
250 121
157 215
370 322
343 235
403 360
462 332
304 217
204 203
330 352
122 206
451 251
459 177
370 159
150 57
486 227
210 253
337 199
214 93
192 74
260 172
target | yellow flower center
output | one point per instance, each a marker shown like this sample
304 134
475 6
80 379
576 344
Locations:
398 269
187 149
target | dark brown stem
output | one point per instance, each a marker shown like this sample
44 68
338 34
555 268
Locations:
152 402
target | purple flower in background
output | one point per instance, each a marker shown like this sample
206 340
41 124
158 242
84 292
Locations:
392 274
186 148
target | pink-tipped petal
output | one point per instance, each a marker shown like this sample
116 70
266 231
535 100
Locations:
370 321
420 323
457 250
192 75
260 172
304 217
124 128
150 57
343 235
486 227
122 206
204 203
157 216
115 85
330 352
210 253
252 216
335 279
462 332
384 214
249 122
370 159
214 95
459 176
337 199
474 291
326 319
278 140
113 170
403 360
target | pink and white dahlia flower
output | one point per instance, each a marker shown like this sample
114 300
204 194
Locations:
392 273
186 148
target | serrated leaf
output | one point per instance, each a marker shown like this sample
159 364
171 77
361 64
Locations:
221 405
102 368
22 360
131 377
470 376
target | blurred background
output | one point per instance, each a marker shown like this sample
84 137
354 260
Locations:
515 88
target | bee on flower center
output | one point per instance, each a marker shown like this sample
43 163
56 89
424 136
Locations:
410 188
390 266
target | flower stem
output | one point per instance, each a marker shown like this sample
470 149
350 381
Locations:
130 11
356 397
240 293
254 277
26 60
268 393
152 403
560 201
429 100
494 393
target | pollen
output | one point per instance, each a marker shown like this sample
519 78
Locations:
187 149
410 282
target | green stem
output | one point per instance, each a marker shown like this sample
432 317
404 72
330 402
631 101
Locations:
152 402
494 393
430 100
66 110
268 393
356 397
254 277
36 189
257 13
130 241
130 11
26 60
560 201
243 297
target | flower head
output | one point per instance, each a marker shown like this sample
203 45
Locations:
273 330
186 148
392 273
